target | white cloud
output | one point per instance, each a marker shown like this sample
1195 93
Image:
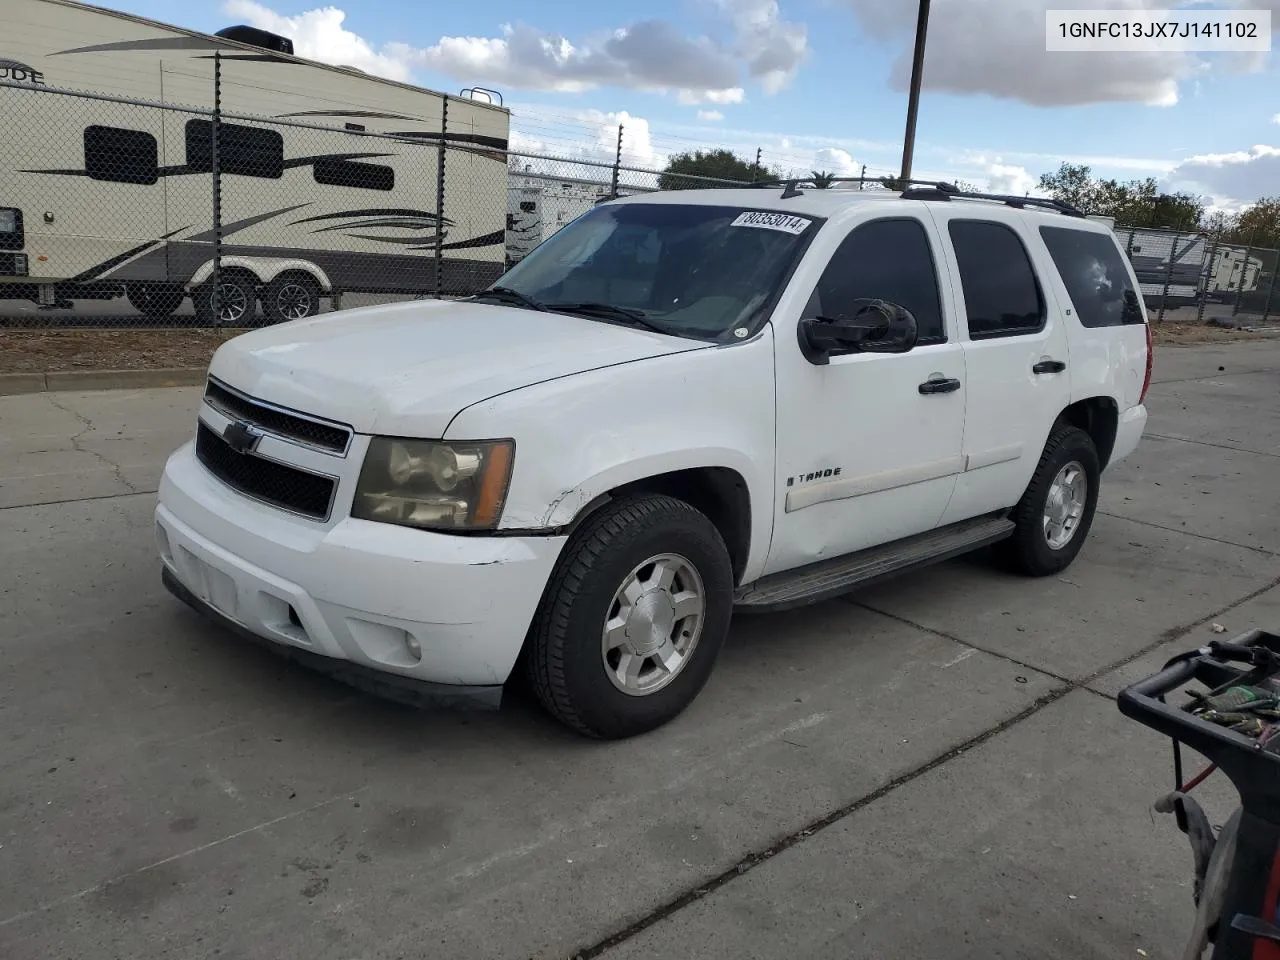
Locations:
837 161
691 98
996 47
1232 179
773 48
651 55
1276 118
1012 179
320 35
710 116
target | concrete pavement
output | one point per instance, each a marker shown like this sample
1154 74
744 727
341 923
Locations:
930 769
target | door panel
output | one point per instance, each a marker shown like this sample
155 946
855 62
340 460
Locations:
1016 354
868 445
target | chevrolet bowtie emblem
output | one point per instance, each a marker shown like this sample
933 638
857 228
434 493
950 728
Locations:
241 437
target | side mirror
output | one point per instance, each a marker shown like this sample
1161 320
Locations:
877 326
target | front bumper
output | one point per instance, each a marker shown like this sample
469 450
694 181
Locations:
431 612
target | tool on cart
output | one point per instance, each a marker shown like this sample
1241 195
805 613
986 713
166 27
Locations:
1234 722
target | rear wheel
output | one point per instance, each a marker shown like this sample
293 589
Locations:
155 300
633 619
1056 512
291 297
237 297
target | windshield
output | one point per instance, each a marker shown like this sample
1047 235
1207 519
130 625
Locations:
684 269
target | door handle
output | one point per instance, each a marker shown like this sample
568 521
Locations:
1049 366
942 385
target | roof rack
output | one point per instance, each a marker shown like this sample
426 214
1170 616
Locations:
925 190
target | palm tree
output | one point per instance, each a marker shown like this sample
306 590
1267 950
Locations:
822 180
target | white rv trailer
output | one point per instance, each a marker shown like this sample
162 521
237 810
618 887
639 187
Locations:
104 198
539 204
1151 251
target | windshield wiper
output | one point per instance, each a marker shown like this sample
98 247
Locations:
507 295
609 311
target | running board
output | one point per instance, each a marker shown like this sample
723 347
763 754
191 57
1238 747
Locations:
830 578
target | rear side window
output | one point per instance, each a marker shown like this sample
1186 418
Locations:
248 151
336 172
1001 293
120 156
1095 276
887 259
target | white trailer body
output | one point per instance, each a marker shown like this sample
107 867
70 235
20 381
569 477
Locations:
107 194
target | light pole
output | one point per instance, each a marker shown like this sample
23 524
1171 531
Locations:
913 101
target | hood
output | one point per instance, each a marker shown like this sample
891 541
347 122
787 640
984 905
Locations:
408 368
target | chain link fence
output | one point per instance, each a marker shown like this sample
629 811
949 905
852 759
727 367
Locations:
131 214
1191 277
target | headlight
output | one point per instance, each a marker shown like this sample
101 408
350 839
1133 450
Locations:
433 485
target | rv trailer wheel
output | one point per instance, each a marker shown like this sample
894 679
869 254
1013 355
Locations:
155 300
238 301
291 297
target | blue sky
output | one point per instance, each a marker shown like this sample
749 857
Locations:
813 83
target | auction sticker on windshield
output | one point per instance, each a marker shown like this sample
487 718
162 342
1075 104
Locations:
772 221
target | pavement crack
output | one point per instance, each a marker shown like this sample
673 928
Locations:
1189 533
77 443
755 858
54 503
1210 443
964 643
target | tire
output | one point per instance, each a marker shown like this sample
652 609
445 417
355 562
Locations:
1037 547
240 301
567 661
155 300
291 297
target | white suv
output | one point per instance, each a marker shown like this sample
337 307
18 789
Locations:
680 404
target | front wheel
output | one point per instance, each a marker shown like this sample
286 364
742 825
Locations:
633 619
1056 512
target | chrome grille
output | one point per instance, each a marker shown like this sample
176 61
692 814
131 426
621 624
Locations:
286 424
277 484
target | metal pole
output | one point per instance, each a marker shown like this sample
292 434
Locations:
1168 276
1244 269
216 171
755 171
862 177
617 165
444 131
1271 287
1209 279
913 101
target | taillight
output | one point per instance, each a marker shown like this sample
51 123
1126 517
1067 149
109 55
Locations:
1146 381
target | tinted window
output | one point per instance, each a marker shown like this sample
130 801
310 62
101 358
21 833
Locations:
1095 276
348 173
248 151
889 260
120 156
1001 294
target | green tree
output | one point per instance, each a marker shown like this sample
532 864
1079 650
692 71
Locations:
1258 225
716 164
821 179
1131 202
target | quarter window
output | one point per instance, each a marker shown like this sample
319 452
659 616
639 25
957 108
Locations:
120 156
1002 296
1094 274
336 172
887 259
248 151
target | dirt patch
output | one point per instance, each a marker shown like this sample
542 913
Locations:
44 351
1180 334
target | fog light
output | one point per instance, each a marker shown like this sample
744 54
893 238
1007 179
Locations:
411 644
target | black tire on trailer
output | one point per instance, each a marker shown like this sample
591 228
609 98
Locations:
1056 512
633 618
239 300
291 296
155 300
